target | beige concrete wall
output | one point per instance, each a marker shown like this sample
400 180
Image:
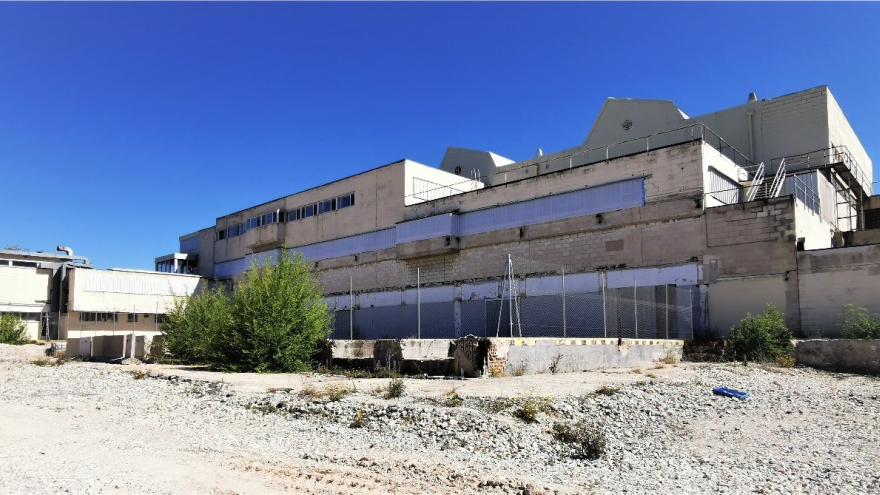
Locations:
841 133
25 286
127 291
832 278
731 299
379 204
815 230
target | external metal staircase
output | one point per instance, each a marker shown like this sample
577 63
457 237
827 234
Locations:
759 186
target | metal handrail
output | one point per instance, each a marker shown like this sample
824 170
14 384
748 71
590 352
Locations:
776 186
690 134
829 156
757 180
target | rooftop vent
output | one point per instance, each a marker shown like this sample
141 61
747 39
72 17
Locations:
753 97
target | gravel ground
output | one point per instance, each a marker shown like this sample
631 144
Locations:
97 428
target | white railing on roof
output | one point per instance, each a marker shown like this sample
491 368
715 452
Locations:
692 132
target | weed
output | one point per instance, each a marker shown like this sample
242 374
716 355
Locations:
337 392
554 366
520 370
453 399
650 375
607 390
274 390
528 412
139 374
396 388
358 421
42 361
786 361
660 366
310 392
637 371
497 373
587 442
671 358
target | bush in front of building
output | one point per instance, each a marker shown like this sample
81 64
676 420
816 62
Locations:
276 321
12 330
281 319
193 330
855 322
762 337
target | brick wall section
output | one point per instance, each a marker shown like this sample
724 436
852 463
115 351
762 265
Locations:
497 358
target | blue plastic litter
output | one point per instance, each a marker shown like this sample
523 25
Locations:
729 392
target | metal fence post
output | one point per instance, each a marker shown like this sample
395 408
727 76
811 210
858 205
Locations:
604 315
133 327
666 310
350 309
419 302
564 322
636 306
510 291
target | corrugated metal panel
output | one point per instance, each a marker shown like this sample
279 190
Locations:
371 241
188 245
102 281
608 197
426 228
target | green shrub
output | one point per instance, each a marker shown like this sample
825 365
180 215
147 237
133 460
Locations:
856 323
195 328
587 442
12 330
395 389
760 338
276 321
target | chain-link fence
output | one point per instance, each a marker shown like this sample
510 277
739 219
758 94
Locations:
526 298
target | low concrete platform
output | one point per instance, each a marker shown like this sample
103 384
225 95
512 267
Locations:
855 356
477 356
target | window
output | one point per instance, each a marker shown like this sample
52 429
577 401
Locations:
233 232
132 318
293 215
160 319
221 234
344 201
309 211
252 223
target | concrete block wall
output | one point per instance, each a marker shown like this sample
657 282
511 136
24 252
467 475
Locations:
672 171
830 279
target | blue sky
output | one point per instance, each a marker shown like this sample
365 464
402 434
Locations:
125 125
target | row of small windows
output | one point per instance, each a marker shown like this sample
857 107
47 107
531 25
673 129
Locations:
114 317
293 215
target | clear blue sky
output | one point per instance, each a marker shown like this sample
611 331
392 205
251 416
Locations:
124 126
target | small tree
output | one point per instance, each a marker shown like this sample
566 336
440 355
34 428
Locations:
12 330
761 337
277 320
856 323
195 327
281 319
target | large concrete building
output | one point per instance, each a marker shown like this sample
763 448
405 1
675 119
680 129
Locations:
740 207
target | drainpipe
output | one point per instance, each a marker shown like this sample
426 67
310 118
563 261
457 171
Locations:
751 139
